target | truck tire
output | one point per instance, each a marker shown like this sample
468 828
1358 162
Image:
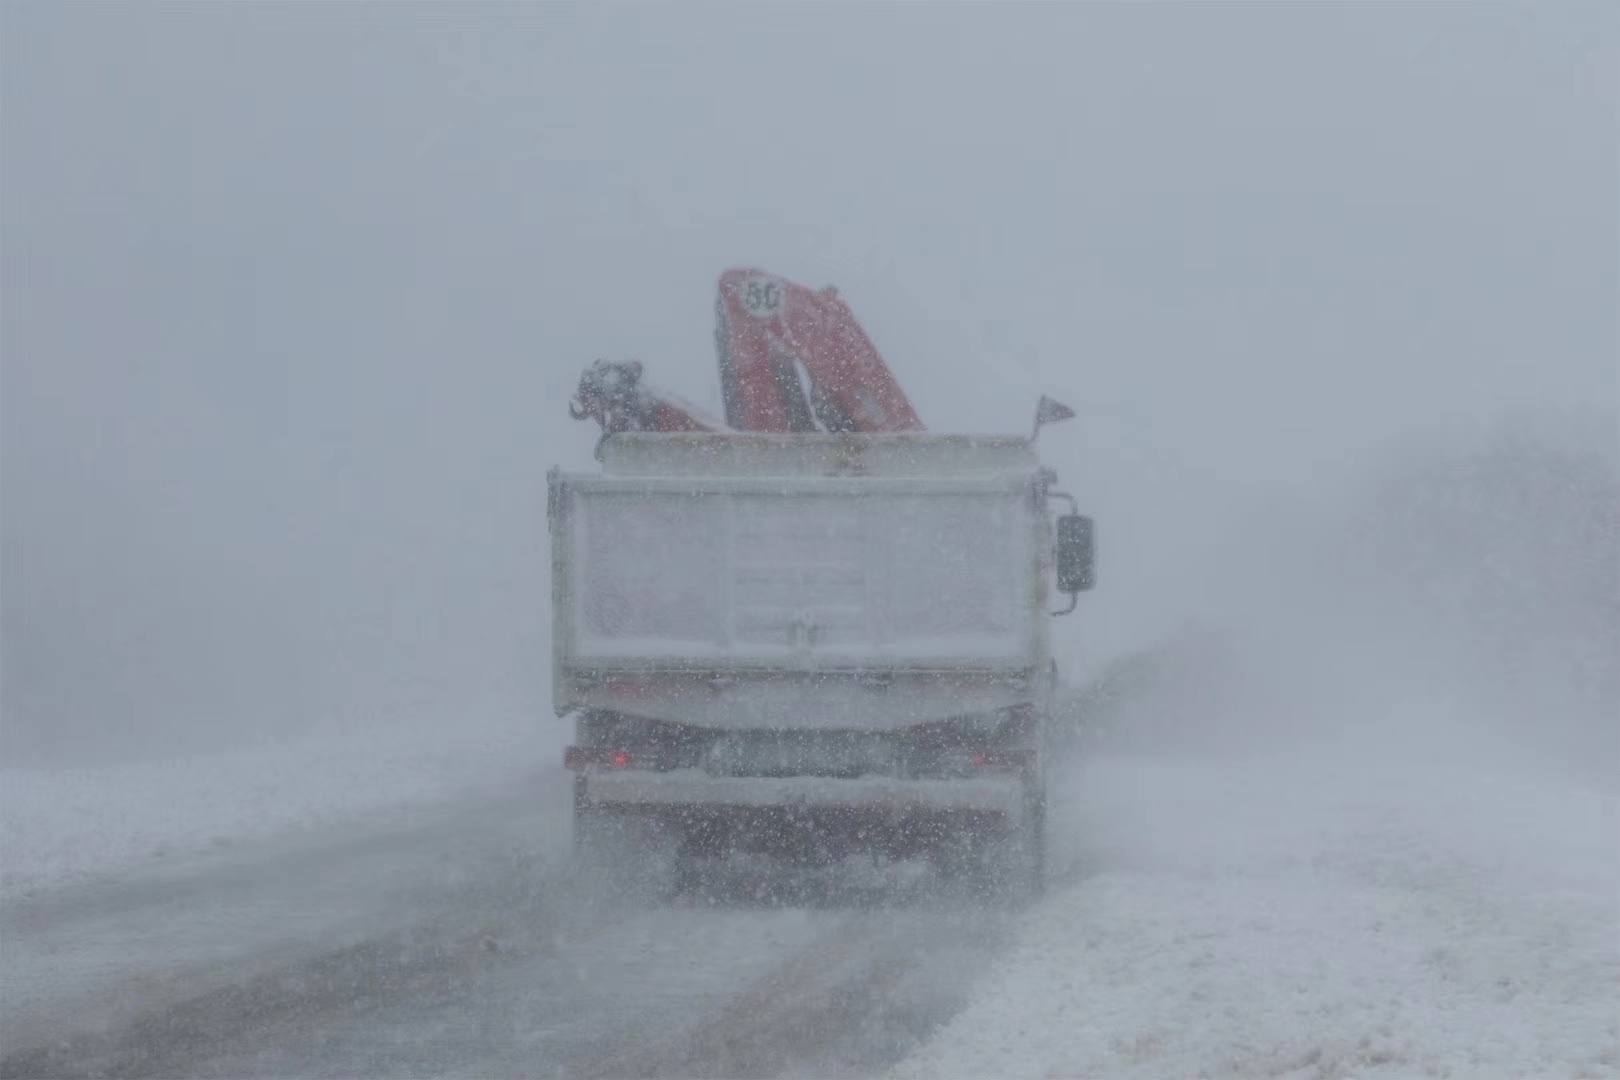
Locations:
1011 868
1037 845
591 837
621 858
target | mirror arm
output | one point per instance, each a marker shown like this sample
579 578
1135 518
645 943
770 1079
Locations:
1074 601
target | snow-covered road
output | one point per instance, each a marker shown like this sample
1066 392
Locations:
458 945
1312 914
432 930
99 951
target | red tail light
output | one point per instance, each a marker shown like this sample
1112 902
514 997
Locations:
1005 759
580 758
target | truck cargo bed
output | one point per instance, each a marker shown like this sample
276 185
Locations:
799 564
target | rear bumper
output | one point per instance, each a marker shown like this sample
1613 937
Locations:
696 790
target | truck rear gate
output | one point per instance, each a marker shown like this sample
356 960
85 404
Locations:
659 568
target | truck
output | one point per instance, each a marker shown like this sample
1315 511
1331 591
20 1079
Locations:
809 643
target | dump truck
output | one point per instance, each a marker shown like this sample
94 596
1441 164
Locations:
810 644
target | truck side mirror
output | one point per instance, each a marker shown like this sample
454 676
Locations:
1076 553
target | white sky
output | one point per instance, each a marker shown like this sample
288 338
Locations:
294 295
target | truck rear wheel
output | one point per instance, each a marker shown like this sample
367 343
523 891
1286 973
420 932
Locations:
622 857
593 838
1037 842
1011 866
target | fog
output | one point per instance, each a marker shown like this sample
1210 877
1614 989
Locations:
1459 604
292 299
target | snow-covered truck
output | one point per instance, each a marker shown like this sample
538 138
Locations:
811 644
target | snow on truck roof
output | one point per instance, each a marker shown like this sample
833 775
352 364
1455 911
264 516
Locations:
866 454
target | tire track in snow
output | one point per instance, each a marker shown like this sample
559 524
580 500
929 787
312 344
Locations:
503 964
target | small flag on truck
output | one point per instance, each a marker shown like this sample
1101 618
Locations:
1049 412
